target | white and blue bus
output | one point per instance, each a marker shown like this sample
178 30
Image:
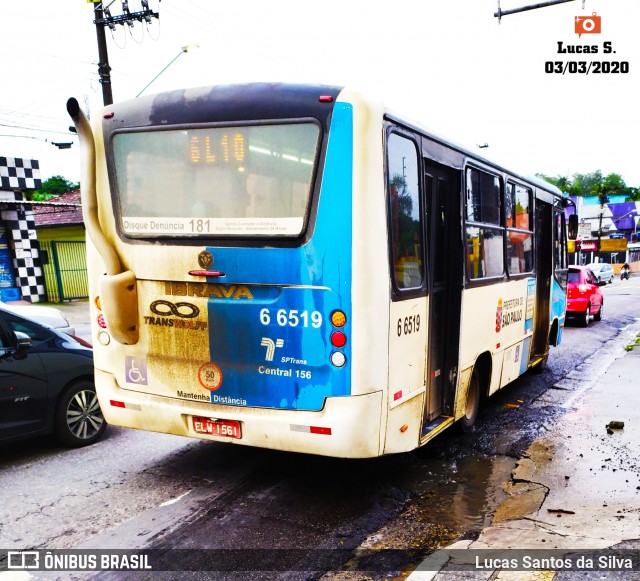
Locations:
295 267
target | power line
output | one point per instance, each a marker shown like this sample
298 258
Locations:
104 18
33 129
58 144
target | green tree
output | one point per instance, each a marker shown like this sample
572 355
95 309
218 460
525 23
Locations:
587 184
53 187
594 184
633 194
563 183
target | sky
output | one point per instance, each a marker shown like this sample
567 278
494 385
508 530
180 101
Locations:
448 65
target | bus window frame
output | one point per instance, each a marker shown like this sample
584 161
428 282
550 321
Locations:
397 293
224 240
560 271
487 280
532 199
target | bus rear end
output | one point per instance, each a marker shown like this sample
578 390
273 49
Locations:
230 212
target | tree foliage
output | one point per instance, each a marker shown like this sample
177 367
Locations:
53 187
594 184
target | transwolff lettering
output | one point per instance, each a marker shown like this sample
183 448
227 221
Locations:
176 323
208 289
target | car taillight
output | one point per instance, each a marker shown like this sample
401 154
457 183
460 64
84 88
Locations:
82 342
582 288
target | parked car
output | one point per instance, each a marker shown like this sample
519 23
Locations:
47 315
584 298
46 384
602 271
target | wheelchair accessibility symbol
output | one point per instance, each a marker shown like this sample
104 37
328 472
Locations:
136 370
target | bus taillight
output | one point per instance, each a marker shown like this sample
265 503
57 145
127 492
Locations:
338 319
338 358
338 339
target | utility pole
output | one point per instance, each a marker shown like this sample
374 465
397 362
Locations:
104 70
103 18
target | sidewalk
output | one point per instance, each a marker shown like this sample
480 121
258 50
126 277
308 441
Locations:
77 313
576 488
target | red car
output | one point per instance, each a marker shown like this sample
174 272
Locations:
584 298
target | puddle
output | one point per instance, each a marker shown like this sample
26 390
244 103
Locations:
462 494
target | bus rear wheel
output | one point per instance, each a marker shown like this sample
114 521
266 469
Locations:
472 406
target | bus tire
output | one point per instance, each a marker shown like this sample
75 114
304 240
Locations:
472 406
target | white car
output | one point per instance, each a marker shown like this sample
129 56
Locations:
45 315
602 271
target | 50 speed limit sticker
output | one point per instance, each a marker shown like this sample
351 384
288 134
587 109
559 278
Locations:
210 376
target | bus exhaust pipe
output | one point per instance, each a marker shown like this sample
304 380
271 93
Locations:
118 289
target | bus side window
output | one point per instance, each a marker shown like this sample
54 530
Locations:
484 231
518 204
405 212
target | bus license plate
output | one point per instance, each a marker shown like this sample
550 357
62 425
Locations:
225 428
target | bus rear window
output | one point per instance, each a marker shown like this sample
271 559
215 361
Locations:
243 180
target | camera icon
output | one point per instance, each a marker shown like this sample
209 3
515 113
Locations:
588 24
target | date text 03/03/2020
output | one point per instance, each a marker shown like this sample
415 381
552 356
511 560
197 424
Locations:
586 67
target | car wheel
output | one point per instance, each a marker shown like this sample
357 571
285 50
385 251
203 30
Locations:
598 315
473 404
584 318
79 420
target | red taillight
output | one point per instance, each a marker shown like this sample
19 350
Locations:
325 99
338 339
102 322
319 430
117 404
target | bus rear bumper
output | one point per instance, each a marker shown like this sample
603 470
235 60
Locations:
346 427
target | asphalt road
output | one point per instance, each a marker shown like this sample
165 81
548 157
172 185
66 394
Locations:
138 489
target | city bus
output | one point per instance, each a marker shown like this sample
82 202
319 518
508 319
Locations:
295 267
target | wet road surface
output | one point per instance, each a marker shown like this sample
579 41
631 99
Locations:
139 490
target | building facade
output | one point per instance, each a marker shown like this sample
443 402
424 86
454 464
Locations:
21 275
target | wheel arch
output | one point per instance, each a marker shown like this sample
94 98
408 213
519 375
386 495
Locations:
484 367
70 384
554 334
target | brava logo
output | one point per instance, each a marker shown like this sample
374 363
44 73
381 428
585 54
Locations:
208 289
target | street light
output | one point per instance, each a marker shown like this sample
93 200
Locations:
183 50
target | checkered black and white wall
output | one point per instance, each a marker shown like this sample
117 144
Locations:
20 174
